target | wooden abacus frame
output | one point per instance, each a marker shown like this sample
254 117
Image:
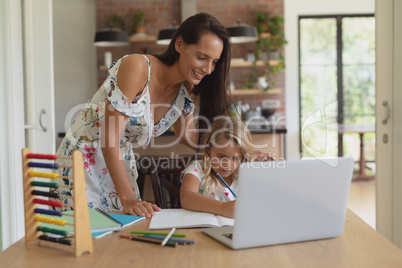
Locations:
82 238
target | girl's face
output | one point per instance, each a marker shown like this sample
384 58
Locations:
199 60
226 158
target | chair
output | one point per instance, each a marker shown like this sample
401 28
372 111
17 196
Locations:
165 176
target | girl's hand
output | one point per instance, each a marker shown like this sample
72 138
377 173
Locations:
262 156
228 209
140 208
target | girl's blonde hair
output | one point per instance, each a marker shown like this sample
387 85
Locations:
224 129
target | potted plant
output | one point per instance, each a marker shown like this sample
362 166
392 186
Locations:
276 39
271 39
261 21
138 22
117 22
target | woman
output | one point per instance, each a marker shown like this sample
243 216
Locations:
143 96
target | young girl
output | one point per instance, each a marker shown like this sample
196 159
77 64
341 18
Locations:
224 147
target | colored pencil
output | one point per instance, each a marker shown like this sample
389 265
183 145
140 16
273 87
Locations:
224 182
148 240
168 236
161 239
155 233
173 239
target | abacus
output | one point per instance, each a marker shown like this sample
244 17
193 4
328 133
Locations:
81 240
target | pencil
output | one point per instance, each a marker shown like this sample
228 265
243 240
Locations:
224 182
147 240
178 240
161 238
155 233
168 236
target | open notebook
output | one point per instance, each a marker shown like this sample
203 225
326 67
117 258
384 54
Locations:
182 218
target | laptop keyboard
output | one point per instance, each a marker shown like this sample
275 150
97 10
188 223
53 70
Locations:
228 235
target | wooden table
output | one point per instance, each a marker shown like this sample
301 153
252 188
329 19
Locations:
361 130
358 246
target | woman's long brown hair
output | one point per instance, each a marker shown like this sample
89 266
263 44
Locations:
211 91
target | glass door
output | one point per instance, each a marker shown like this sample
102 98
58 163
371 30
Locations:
337 87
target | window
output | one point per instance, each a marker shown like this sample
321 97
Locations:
337 83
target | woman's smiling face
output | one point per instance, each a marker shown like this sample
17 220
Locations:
199 60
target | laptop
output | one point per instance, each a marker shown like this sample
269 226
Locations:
288 201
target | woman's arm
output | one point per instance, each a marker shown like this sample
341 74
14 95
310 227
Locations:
192 200
112 129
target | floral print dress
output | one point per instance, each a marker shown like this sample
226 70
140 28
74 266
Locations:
85 135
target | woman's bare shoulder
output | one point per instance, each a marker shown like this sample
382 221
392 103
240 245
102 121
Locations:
135 62
132 75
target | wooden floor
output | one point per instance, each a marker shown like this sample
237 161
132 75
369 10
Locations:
362 200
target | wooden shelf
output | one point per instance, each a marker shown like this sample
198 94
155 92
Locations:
247 92
250 63
141 38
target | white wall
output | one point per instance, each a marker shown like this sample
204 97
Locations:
75 81
75 70
293 9
12 138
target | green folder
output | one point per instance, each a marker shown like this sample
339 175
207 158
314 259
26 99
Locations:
124 220
99 222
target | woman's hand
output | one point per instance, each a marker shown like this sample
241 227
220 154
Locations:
140 208
262 156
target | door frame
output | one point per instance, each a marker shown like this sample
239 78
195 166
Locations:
389 150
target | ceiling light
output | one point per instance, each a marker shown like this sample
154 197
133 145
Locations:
242 33
166 35
111 37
